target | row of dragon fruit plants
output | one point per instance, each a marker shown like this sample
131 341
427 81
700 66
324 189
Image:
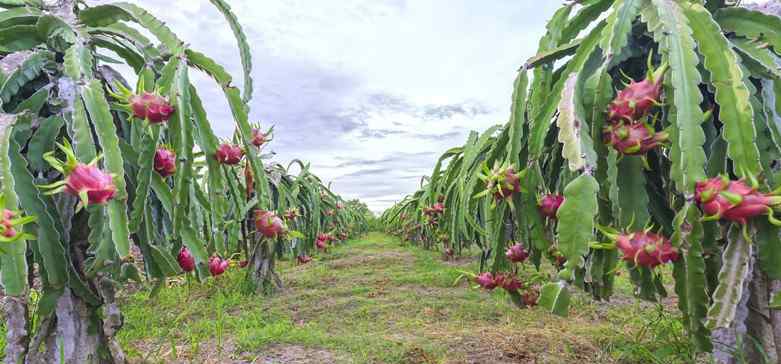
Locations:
648 135
104 182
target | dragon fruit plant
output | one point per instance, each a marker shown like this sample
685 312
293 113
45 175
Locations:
80 153
641 113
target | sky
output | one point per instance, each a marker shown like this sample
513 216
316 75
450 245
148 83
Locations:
371 92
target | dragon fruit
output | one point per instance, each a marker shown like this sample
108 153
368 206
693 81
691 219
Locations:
633 139
269 224
508 282
733 200
502 182
517 253
291 214
243 263
217 266
449 252
637 98
186 260
339 205
646 249
165 162
303 259
88 180
259 138
229 154
530 297
6 225
549 205
152 107
486 280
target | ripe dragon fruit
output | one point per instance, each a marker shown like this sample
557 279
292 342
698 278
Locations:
186 260
530 297
339 205
259 138
6 225
733 200
646 249
152 107
637 98
633 139
217 266
549 205
165 162
508 282
229 154
303 259
269 224
486 280
517 253
88 180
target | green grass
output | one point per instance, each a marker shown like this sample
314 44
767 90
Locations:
376 301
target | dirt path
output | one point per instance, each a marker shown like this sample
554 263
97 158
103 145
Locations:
375 301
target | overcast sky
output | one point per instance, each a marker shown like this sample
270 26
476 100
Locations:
371 92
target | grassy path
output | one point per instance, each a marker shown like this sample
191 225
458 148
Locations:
374 301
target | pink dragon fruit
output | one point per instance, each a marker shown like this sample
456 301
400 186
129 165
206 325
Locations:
269 224
229 154
98 185
217 266
152 107
486 281
517 253
646 249
637 98
633 139
258 137
549 205
530 297
7 227
733 200
165 162
508 282
303 259
186 260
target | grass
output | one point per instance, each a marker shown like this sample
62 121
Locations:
376 301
